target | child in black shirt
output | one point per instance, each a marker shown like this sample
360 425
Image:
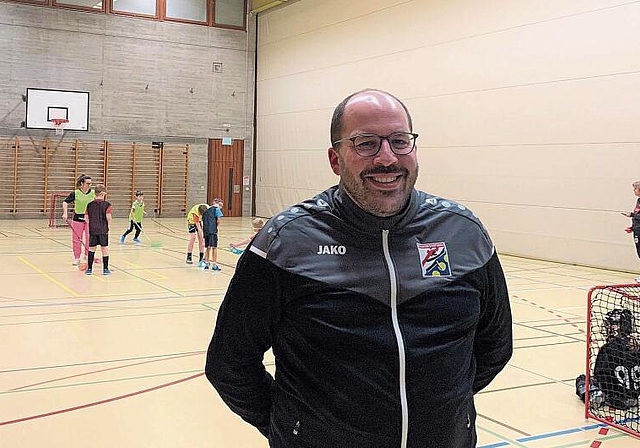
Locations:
98 216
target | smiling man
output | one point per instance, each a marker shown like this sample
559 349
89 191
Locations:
386 307
379 180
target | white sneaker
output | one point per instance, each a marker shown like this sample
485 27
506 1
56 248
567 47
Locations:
637 279
75 262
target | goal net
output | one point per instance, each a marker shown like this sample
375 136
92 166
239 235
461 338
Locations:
613 356
55 210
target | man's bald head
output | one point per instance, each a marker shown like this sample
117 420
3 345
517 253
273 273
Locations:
371 95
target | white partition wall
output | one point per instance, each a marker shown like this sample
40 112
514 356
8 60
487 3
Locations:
527 111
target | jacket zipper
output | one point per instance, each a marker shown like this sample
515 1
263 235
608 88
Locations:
400 341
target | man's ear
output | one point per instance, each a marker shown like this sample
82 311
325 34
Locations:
333 160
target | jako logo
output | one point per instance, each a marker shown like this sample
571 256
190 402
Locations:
332 250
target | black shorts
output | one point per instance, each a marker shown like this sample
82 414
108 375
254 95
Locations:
192 228
101 240
211 240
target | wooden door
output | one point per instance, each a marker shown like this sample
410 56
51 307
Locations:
225 175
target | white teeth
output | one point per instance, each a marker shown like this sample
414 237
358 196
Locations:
384 180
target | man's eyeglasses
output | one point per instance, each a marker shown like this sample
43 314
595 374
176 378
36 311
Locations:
368 145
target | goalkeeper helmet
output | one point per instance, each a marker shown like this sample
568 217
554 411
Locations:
619 322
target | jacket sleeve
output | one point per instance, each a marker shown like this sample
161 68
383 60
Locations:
243 333
493 344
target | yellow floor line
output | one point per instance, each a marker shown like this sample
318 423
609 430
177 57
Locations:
48 277
158 276
137 266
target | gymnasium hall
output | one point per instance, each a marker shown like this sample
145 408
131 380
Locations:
527 113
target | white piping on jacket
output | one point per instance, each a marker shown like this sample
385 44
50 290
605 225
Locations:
258 252
396 329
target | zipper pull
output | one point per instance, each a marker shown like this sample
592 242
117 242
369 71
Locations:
296 428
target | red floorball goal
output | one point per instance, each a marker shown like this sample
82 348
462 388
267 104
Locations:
613 357
55 210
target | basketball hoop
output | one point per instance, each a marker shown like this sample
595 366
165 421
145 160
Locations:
59 124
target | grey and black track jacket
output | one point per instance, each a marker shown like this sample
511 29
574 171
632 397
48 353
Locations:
382 328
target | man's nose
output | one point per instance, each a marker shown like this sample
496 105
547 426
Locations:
385 156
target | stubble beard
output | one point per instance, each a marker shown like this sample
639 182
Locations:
377 202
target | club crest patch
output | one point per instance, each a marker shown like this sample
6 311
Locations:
434 259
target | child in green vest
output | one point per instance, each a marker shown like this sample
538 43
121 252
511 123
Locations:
135 218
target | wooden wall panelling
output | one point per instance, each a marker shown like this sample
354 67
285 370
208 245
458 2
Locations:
90 160
59 169
30 177
175 172
33 169
8 158
146 167
120 177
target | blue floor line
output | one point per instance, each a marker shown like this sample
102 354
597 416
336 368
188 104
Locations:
547 435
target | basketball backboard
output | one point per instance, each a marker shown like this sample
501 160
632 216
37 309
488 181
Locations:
44 105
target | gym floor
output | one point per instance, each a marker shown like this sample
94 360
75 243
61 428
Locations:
104 362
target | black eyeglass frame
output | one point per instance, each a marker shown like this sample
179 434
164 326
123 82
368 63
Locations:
381 137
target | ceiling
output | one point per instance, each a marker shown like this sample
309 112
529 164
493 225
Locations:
258 6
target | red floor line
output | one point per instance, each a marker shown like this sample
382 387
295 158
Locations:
555 313
95 403
103 370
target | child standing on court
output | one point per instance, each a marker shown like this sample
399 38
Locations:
194 226
135 218
238 248
635 221
98 217
210 223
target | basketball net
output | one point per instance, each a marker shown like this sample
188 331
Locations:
59 124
